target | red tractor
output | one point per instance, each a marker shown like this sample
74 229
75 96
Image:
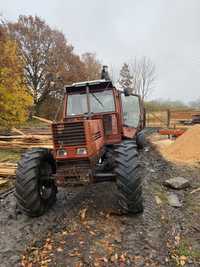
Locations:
97 140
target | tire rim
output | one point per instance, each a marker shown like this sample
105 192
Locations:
45 183
45 192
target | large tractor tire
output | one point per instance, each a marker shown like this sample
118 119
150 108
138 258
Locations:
129 182
35 191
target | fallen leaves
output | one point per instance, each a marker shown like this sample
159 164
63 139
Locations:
64 233
177 239
59 249
183 260
114 257
158 200
75 253
83 214
97 241
181 250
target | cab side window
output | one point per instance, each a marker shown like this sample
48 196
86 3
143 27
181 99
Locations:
131 110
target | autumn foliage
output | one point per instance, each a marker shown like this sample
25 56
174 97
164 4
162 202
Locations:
14 97
36 61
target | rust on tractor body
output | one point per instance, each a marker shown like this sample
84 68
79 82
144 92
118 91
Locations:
96 140
80 138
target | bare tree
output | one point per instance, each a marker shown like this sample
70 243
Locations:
195 103
143 76
92 66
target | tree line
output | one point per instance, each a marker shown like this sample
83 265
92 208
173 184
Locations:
138 76
36 62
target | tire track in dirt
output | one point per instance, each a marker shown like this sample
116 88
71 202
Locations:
82 228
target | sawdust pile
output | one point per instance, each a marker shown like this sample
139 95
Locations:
186 148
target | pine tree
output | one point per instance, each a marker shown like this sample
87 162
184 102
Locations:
125 80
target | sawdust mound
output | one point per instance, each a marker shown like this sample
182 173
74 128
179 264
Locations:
186 148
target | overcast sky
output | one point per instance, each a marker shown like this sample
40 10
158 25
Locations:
167 31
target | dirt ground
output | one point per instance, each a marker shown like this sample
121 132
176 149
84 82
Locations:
83 229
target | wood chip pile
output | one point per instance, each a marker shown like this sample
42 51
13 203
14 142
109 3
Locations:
186 148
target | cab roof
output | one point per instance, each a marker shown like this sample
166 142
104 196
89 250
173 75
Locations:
96 84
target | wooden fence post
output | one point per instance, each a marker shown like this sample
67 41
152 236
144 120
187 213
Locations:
168 118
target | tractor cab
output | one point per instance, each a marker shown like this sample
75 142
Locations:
95 114
89 98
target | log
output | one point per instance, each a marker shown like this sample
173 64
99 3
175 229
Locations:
22 145
42 119
11 137
24 137
195 190
17 131
7 169
25 142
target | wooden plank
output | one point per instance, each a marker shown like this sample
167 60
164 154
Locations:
6 145
24 137
43 119
17 131
7 169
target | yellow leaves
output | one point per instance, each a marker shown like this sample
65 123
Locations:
114 257
59 249
14 99
182 260
64 233
177 239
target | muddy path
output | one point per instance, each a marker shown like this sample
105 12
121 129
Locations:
83 229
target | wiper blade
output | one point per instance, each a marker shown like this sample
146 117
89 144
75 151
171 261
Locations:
98 100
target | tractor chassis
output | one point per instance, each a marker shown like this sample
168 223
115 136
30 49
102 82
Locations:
81 176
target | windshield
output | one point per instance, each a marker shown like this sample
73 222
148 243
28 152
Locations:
99 102
131 110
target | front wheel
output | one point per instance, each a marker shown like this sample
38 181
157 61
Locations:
129 182
35 189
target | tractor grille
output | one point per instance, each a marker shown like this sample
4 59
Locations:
69 134
96 135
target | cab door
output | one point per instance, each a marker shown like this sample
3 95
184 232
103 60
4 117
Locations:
132 115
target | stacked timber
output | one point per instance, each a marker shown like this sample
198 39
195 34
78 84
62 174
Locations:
7 169
25 141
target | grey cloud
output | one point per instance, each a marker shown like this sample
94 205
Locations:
165 30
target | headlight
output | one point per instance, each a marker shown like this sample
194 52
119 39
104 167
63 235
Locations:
61 152
81 151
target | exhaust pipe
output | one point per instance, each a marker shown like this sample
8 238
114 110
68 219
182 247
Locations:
105 74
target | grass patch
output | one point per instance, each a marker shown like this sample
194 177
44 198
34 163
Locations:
184 252
10 155
160 192
30 123
34 123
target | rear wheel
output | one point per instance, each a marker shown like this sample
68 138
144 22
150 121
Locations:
35 190
129 182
